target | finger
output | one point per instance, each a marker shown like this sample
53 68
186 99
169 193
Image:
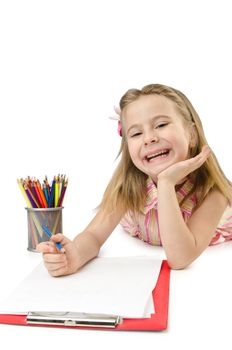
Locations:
205 152
54 258
204 155
60 238
56 238
59 272
55 267
46 247
197 161
206 148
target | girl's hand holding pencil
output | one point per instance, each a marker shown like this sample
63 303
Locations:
62 261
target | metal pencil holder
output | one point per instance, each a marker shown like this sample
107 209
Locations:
36 218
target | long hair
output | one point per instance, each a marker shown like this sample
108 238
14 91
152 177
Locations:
128 183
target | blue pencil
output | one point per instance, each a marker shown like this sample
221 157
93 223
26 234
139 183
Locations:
51 198
49 234
45 191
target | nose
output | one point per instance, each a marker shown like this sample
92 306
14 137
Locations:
150 138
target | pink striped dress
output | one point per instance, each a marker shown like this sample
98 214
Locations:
146 226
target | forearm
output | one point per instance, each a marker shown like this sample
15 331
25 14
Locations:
178 241
89 242
87 247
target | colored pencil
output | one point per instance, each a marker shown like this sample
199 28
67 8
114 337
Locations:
42 195
62 194
51 198
49 234
29 205
45 195
56 192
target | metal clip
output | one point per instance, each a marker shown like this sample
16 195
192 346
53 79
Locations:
73 319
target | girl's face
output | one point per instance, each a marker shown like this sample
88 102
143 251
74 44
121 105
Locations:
155 133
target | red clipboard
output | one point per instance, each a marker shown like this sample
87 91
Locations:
156 322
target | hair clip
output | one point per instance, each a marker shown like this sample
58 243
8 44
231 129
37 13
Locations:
117 117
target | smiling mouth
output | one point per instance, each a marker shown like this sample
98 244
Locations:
162 154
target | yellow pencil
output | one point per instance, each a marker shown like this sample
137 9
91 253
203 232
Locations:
29 205
56 192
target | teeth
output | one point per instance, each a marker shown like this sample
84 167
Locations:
157 154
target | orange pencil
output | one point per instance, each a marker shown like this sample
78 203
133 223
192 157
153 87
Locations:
38 194
45 205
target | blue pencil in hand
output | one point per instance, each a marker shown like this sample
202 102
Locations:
49 234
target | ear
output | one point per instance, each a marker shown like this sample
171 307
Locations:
193 136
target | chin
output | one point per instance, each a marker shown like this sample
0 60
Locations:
159 170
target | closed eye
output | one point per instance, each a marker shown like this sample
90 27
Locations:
161 125
136 134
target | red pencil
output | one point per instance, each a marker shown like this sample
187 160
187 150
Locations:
45 205
38 194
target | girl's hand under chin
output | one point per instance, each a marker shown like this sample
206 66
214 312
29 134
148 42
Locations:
178 171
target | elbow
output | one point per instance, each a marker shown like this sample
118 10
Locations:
181 261
178 265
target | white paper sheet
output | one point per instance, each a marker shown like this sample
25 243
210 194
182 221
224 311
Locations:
109 285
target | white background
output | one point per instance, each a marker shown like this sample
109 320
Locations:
63 65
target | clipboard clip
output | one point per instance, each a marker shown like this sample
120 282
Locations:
73 319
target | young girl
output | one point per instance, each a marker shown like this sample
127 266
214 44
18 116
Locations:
167 189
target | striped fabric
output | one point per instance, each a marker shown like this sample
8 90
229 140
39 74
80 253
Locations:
146 226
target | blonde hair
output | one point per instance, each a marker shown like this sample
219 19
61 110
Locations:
128 183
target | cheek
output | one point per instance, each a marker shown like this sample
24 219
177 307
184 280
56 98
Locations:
132 149
182 145
134 153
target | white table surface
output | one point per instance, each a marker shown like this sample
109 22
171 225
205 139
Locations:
200 303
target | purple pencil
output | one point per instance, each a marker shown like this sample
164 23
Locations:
62 195
30 197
